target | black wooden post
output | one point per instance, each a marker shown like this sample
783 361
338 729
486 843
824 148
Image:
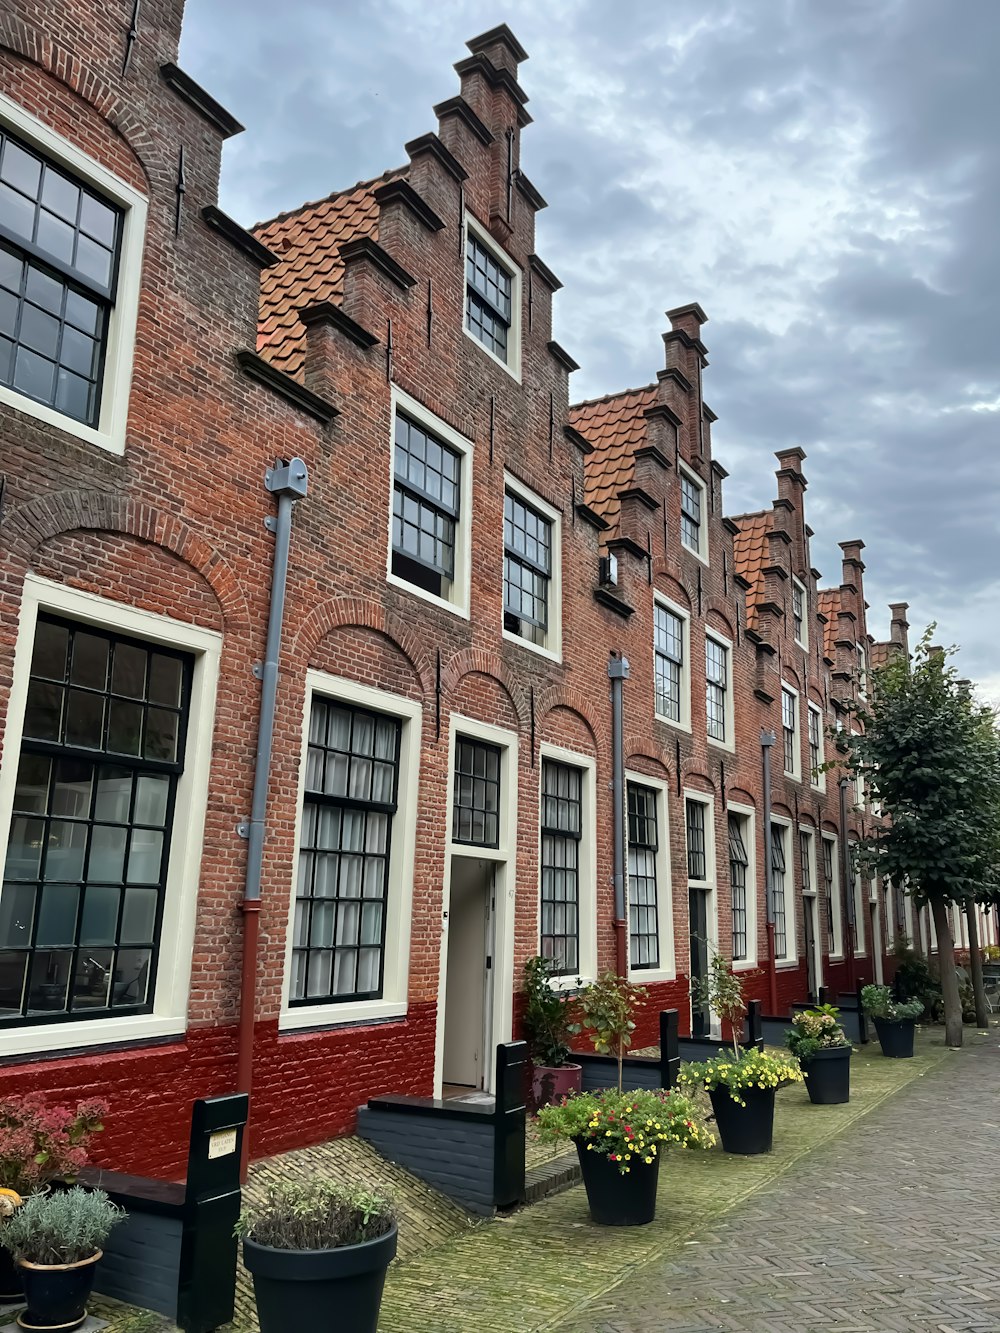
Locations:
670 1051
863 1033
824 995
755 1026
509 1124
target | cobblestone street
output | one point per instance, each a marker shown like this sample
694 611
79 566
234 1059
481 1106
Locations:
890 1226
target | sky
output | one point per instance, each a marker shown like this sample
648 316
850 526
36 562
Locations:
823 178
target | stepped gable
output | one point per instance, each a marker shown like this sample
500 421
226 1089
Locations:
615 427
307 241
828 602
750 551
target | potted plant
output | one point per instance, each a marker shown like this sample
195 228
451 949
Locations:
39 1144
318 1252
820 1045
620 1138
57 1241
895 1020
547 1017
741 1085
605 1010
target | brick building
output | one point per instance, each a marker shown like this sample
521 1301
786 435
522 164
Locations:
372 379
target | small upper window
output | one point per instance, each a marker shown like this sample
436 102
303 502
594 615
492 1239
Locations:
527 570
692 498
790 732
697 851
489 296
717 690
59 251
799 603
862 671
426 502
816 775
476 806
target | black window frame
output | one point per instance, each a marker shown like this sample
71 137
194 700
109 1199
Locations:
779 864
668 666
467 749
533 628
692 512
433 577
62 754
716 691
479 301
696 839
815 722
739 862
643 878
320 800
829 884
799 602
789 734
559 832
39 266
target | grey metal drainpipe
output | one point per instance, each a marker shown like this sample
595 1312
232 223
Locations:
618 674
767 740
288 482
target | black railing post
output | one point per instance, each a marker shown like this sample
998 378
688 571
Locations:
670 1051
863 1034
824 995
509 1118
755 1026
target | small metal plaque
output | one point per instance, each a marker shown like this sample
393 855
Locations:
221 1143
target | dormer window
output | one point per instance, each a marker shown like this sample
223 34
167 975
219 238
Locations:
800 602
692 514
492 297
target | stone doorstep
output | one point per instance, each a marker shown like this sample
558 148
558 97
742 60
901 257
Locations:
552 1177
89 1325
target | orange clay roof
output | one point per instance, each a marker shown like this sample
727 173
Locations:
879 654
750 549
307 241
828 602
615 427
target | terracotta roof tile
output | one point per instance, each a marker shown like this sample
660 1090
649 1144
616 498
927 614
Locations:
879 654
308 241
615 427
750 550
828 603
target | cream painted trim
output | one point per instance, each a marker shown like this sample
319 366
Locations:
684 722
180 903
396 959
730 720
458 604
795 773
587 907
804 641
810 832
505 890
710 884
748 813
513 366
664 886
692 476
816 781
837 952
552 647
109 433
791 954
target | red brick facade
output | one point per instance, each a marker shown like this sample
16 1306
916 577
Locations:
362 306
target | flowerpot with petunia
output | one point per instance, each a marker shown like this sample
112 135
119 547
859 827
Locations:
741 1089
620 1138
821 1047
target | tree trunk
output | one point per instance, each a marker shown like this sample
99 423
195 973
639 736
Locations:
949 977
976 965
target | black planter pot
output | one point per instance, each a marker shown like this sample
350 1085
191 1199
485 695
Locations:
56 1294
828 1076
320 1290
616 1200
11 1286
896 1036
745 1130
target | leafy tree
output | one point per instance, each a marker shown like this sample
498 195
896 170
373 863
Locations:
605 1010
931 755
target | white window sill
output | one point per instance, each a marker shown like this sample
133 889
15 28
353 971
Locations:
513 371
745 965
786 964
540 649
112 443
697 554
669 722
649 976
728 746
42 1038
456 608
336 1015
818 786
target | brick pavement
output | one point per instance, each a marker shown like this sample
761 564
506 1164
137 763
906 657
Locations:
890 1226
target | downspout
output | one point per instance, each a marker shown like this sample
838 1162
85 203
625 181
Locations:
288 482
848 889
618 674
767 739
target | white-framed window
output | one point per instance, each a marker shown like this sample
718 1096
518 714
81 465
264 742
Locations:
858 781
807 860
800 613
651 945
790 731
532 570
782 892
671 663
817 777
862 670
492 298
347 950
860 904
71 239
102 800
567 864
718 690
693 525
743 885
430 516
831 893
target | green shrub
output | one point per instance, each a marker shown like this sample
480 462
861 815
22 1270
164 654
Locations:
314 1215
815 1030
547 1016
877 1002
63 1227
